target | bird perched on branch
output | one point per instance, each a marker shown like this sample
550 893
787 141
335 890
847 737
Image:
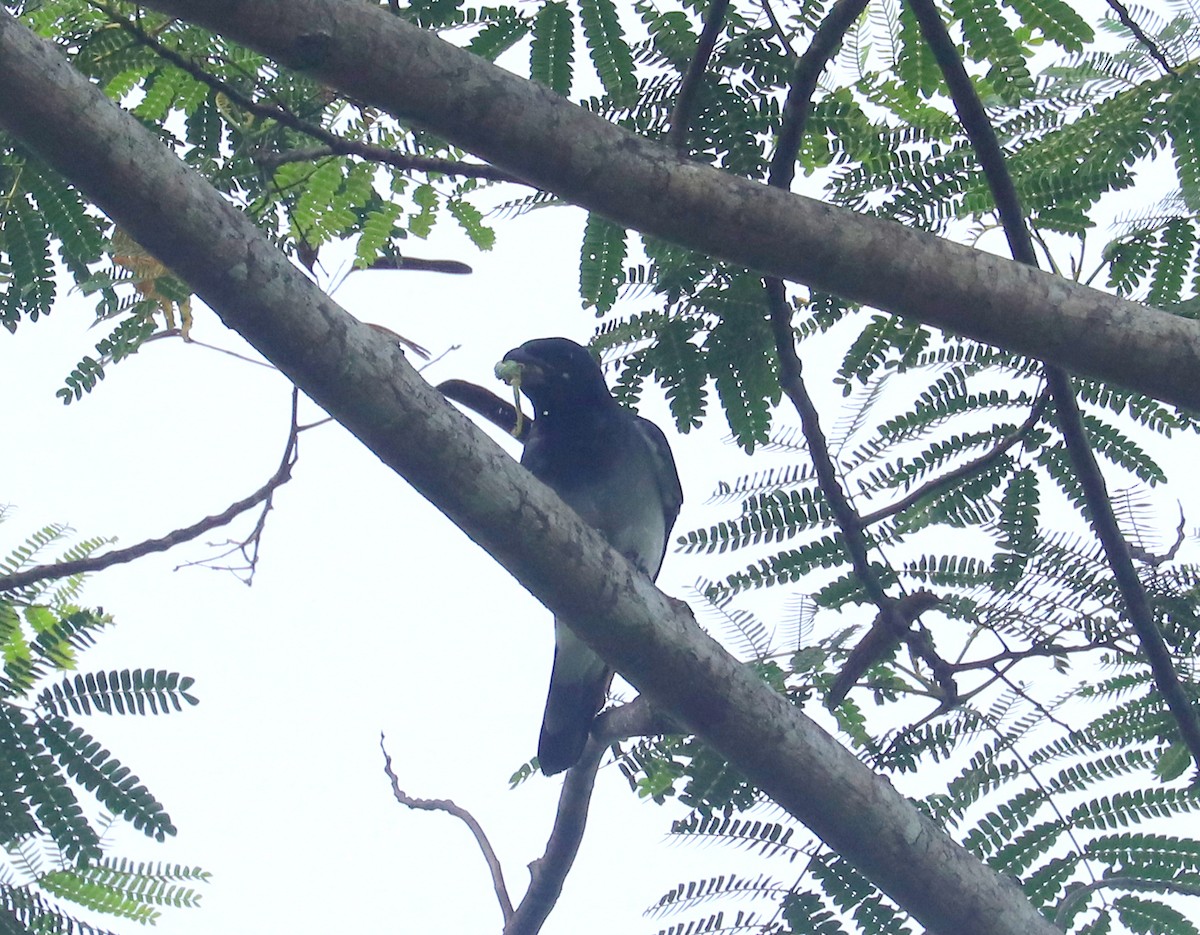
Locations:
616 471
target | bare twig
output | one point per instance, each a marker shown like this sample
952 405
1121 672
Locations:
178 333
250 545
92 563
547 872
339 146
844 514
445 805
681 114
1046 649
1104 522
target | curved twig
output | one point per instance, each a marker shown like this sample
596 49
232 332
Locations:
446 805
1063 913
964 470
335 145
825 42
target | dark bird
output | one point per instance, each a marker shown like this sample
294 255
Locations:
616 471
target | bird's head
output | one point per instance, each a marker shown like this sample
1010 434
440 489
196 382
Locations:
556 374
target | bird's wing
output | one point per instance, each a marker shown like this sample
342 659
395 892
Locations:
666 475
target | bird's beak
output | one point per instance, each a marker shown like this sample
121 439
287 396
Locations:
509 371
518 368
515 369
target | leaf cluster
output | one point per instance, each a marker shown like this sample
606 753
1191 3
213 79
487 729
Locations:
53 838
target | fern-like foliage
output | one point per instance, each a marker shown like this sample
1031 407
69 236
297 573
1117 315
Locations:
48 828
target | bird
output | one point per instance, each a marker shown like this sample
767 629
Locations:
615 469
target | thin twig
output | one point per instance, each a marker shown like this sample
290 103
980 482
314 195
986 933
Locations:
967 469
250 545
1049 649
825 42
792 382
1072 898
178 333
1147 557
446 805
92 563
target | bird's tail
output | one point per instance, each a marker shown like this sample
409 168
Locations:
577 692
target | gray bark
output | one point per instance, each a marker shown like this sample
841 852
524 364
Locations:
535 134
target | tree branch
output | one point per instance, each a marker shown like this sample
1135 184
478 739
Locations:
1104 522
334 144
638 718
92 563
446 805
539 136
1123 15
685 103
964 470
890 623
825 42
547 873
1065 908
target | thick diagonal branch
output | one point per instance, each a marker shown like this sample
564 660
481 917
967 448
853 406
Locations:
539 136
